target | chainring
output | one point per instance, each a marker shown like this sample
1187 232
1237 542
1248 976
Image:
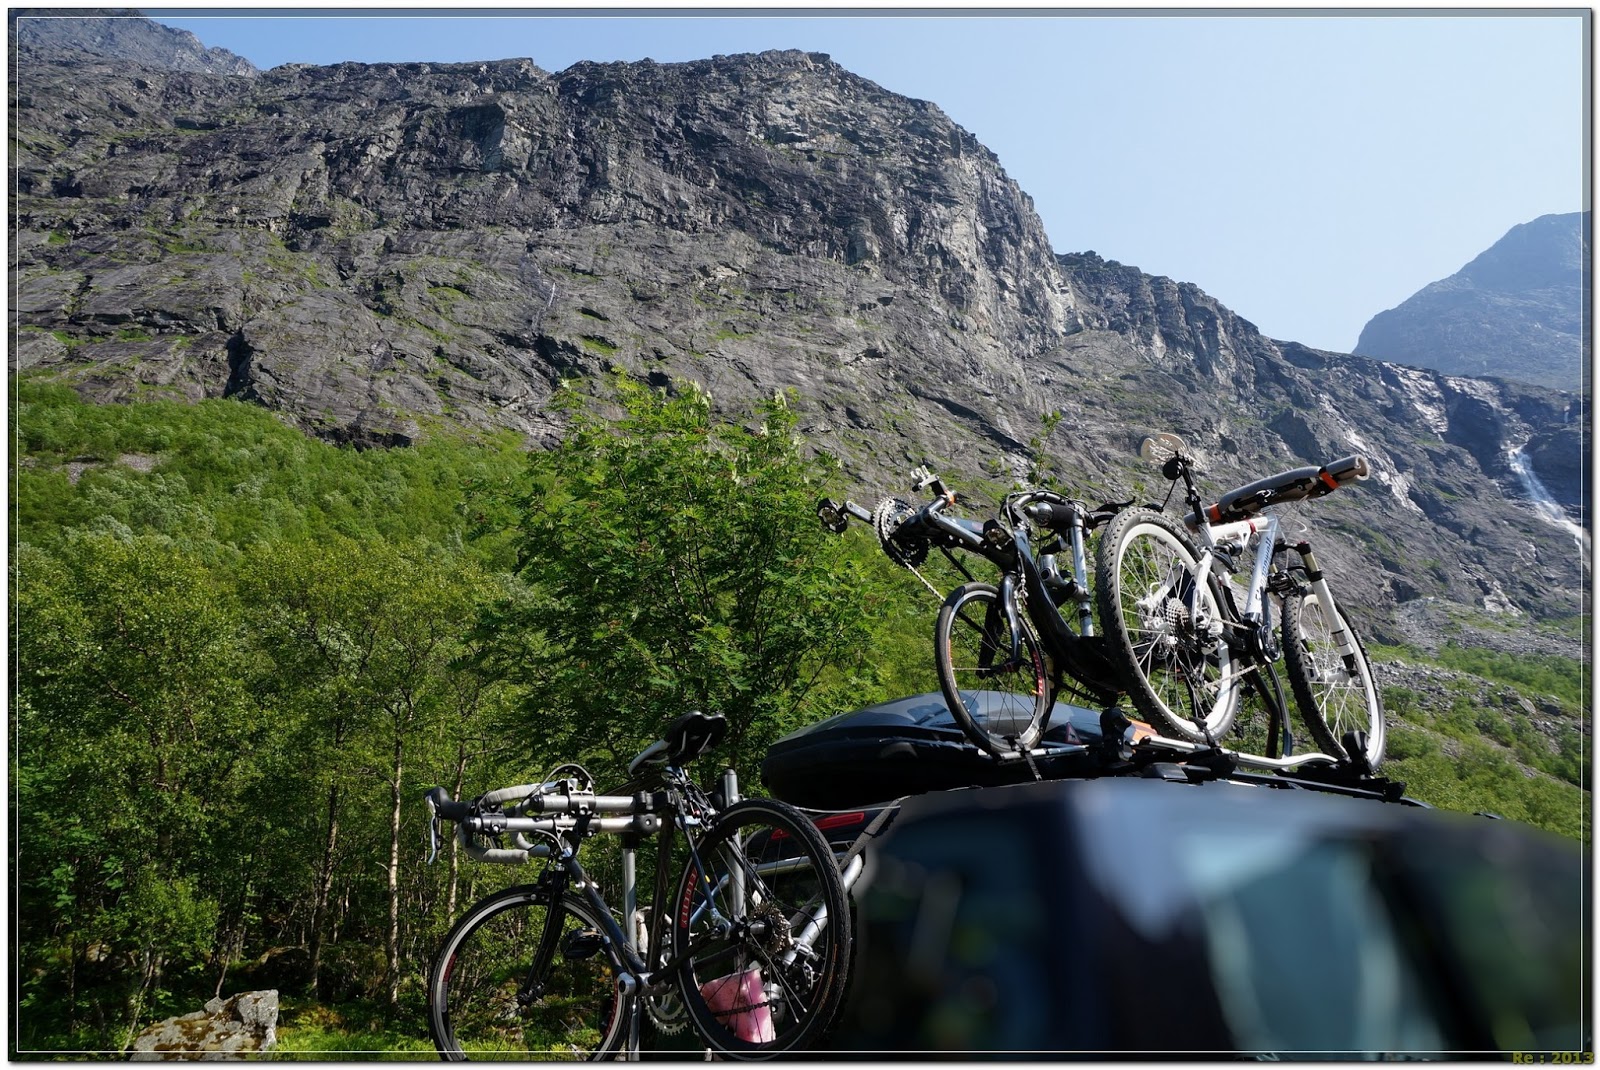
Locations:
667 1012
665 1008
887 518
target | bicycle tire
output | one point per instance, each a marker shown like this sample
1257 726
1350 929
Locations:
1333 697
1176 678
764 863
1003 710
475 983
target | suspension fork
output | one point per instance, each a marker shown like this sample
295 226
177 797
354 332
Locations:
1342 638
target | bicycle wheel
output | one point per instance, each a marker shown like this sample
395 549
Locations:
503 989
1179 675
762 926
1335 694
1000 702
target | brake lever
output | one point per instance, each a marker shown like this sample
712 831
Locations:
433 833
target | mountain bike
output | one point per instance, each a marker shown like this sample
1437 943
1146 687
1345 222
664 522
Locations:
750 945
1003 651
1188 637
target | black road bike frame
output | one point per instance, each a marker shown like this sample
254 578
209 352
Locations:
1027 576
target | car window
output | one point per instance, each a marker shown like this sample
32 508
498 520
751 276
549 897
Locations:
956 916
1303 949
1513 906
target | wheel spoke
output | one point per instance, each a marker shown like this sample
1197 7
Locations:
997 697
1177 673
1336 692
775 876
488 997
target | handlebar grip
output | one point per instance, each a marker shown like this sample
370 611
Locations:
509 856
1350 469
501 796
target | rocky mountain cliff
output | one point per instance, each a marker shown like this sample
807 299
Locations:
378 250
1517 310
124 35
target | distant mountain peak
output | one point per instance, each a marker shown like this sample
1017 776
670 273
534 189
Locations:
122 34
1515 311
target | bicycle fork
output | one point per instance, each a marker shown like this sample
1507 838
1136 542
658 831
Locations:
1343 641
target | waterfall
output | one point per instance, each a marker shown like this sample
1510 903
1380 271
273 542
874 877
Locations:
1544 506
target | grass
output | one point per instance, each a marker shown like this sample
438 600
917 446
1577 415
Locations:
313 1032
1545 674
1481 778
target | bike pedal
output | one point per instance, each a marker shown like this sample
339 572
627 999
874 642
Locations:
582 944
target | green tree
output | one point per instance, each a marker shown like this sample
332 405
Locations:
131 726
674 562
366 636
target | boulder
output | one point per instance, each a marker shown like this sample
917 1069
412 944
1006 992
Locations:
225 1029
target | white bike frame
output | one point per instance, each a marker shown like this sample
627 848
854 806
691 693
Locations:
1255 611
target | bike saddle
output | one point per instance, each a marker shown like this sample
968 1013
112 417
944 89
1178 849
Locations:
689 737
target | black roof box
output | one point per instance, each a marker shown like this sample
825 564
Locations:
906 747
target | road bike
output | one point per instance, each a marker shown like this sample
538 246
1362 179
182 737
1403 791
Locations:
1189 638
1004 651
750 945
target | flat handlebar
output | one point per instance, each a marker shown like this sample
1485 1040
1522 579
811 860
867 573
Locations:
561 809
1310 481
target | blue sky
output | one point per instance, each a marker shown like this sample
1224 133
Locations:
1309 171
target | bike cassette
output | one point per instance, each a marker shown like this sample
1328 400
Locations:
887 518
776 935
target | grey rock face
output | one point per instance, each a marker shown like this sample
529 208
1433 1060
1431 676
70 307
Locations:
225 1029
121 34
1516 311
376 251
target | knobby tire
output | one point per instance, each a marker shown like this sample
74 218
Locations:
1144 575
